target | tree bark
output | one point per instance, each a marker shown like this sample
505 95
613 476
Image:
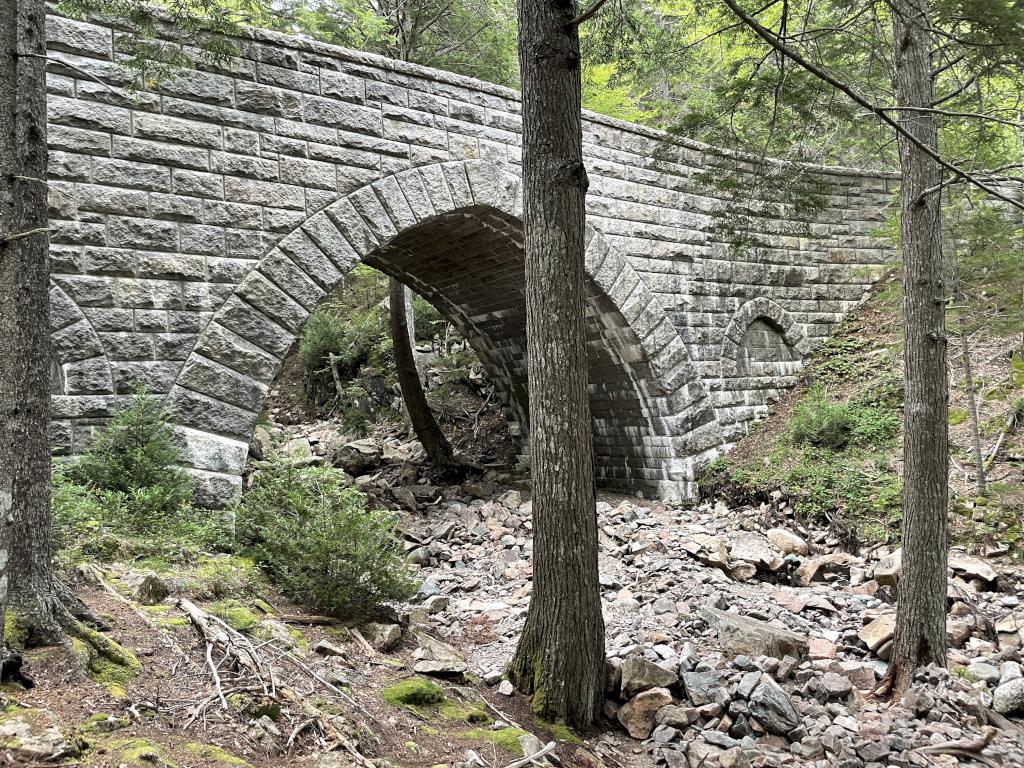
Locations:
26 573
560 657
972 406
921 611
436 445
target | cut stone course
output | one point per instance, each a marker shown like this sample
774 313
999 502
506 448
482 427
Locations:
236 200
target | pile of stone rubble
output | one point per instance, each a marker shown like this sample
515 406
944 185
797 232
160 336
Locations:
732 640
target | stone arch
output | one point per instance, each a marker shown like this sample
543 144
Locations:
466 217
81 383
763 349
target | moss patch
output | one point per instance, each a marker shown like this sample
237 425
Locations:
562 732
14 635
105 661
139 752
236 615
219 577
217 755
505 738
414 693
464 713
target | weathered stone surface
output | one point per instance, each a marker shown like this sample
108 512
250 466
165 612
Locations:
787 541
151 590
742 635
879 631
1008 698
772 707
887 571
639 674
637 714
35 736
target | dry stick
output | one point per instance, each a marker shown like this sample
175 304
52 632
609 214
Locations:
879 112
362 641
216 676
546 750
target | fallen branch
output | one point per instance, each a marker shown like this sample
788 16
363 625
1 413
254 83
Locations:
546 750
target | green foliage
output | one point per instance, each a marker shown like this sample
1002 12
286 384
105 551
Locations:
134 456
819 422
414 693
315 537
815 421
429 322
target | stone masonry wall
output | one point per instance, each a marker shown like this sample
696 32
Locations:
196 224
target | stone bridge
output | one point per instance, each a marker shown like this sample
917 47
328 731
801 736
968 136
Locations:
198 222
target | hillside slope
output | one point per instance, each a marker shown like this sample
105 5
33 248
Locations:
831 449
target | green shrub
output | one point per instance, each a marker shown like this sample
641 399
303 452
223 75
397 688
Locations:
429 322
315 537
815 421
135 457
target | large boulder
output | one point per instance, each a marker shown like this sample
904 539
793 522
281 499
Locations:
358 457
817 568
753 548
262 444
743 636
772 707
35 736
879 631
887 571
705 688
1008 698
639 675
637 714
787 541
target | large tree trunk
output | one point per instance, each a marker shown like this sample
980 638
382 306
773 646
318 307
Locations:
436 445
560 658
25 555
921 611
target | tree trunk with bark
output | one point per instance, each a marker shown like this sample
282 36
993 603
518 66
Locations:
560 657
921 611
972 408
435 444
25 550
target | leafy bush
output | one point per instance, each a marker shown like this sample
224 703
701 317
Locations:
92 524
134 456
317 540
815 421
352 341
429 322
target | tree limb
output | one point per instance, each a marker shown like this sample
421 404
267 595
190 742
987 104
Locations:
879 112
587 14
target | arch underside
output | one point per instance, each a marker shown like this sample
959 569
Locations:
470 265
452 232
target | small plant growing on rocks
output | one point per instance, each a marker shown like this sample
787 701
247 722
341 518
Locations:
315 537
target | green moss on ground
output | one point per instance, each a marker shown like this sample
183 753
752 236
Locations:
216 755
105 661
415 693
504 738
138 752
236 615
562 732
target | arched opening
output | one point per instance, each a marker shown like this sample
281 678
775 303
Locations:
469 264
452 233
762 355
